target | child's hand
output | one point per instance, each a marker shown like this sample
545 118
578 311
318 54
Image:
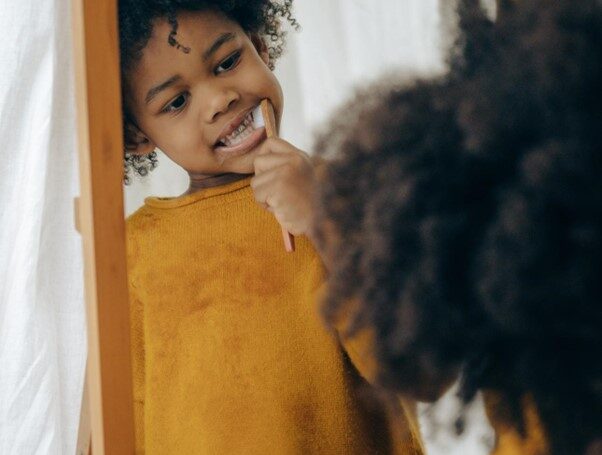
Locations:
284 184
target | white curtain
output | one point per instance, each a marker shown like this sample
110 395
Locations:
42 324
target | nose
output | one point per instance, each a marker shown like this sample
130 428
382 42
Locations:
221 103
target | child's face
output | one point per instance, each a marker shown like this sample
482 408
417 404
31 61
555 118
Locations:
186 103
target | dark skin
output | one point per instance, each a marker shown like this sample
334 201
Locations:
224 75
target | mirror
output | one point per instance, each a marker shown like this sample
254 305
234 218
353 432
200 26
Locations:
200 317
324 62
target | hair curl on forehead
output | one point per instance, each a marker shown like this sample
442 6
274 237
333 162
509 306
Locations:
263 17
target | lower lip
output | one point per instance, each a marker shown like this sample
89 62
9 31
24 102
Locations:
255 138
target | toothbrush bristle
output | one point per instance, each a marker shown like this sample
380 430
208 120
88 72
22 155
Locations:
258 120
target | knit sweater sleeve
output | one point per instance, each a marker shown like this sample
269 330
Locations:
359 347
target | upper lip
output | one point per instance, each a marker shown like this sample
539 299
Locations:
230 127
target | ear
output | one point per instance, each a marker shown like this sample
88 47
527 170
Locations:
135 141
261 47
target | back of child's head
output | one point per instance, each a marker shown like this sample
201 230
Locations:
137 19
467 216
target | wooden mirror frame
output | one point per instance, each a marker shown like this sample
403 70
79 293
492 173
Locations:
100 219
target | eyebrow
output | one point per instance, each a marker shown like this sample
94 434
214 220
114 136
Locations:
153 92
221 40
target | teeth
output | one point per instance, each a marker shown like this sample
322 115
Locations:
241 133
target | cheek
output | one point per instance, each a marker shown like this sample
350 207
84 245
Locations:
259 80
175 133
180 138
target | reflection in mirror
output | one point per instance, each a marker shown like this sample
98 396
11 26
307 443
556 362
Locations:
226 333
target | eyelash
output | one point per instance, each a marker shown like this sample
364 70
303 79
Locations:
168 109
235 58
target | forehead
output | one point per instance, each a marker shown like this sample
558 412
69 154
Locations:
196 30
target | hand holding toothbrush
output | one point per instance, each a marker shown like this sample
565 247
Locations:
284 185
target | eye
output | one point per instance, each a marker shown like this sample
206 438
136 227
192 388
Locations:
177 104
228 64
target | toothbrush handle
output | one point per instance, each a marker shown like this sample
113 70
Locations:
267 111
289 241
270 128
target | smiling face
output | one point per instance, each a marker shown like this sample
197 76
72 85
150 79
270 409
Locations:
196 106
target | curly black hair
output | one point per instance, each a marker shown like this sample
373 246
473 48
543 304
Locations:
136 18
467 213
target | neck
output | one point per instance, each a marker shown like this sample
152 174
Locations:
201 182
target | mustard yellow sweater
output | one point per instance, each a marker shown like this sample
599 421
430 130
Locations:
230 355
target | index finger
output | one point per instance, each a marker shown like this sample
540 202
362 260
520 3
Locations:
276 145
270 161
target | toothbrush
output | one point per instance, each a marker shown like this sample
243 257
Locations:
268 120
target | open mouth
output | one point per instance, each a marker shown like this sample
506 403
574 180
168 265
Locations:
246 136
238 136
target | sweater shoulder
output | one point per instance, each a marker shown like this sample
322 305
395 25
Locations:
141 222
134 220
139 227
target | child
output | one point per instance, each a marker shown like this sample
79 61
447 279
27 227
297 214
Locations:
229 353
463 217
